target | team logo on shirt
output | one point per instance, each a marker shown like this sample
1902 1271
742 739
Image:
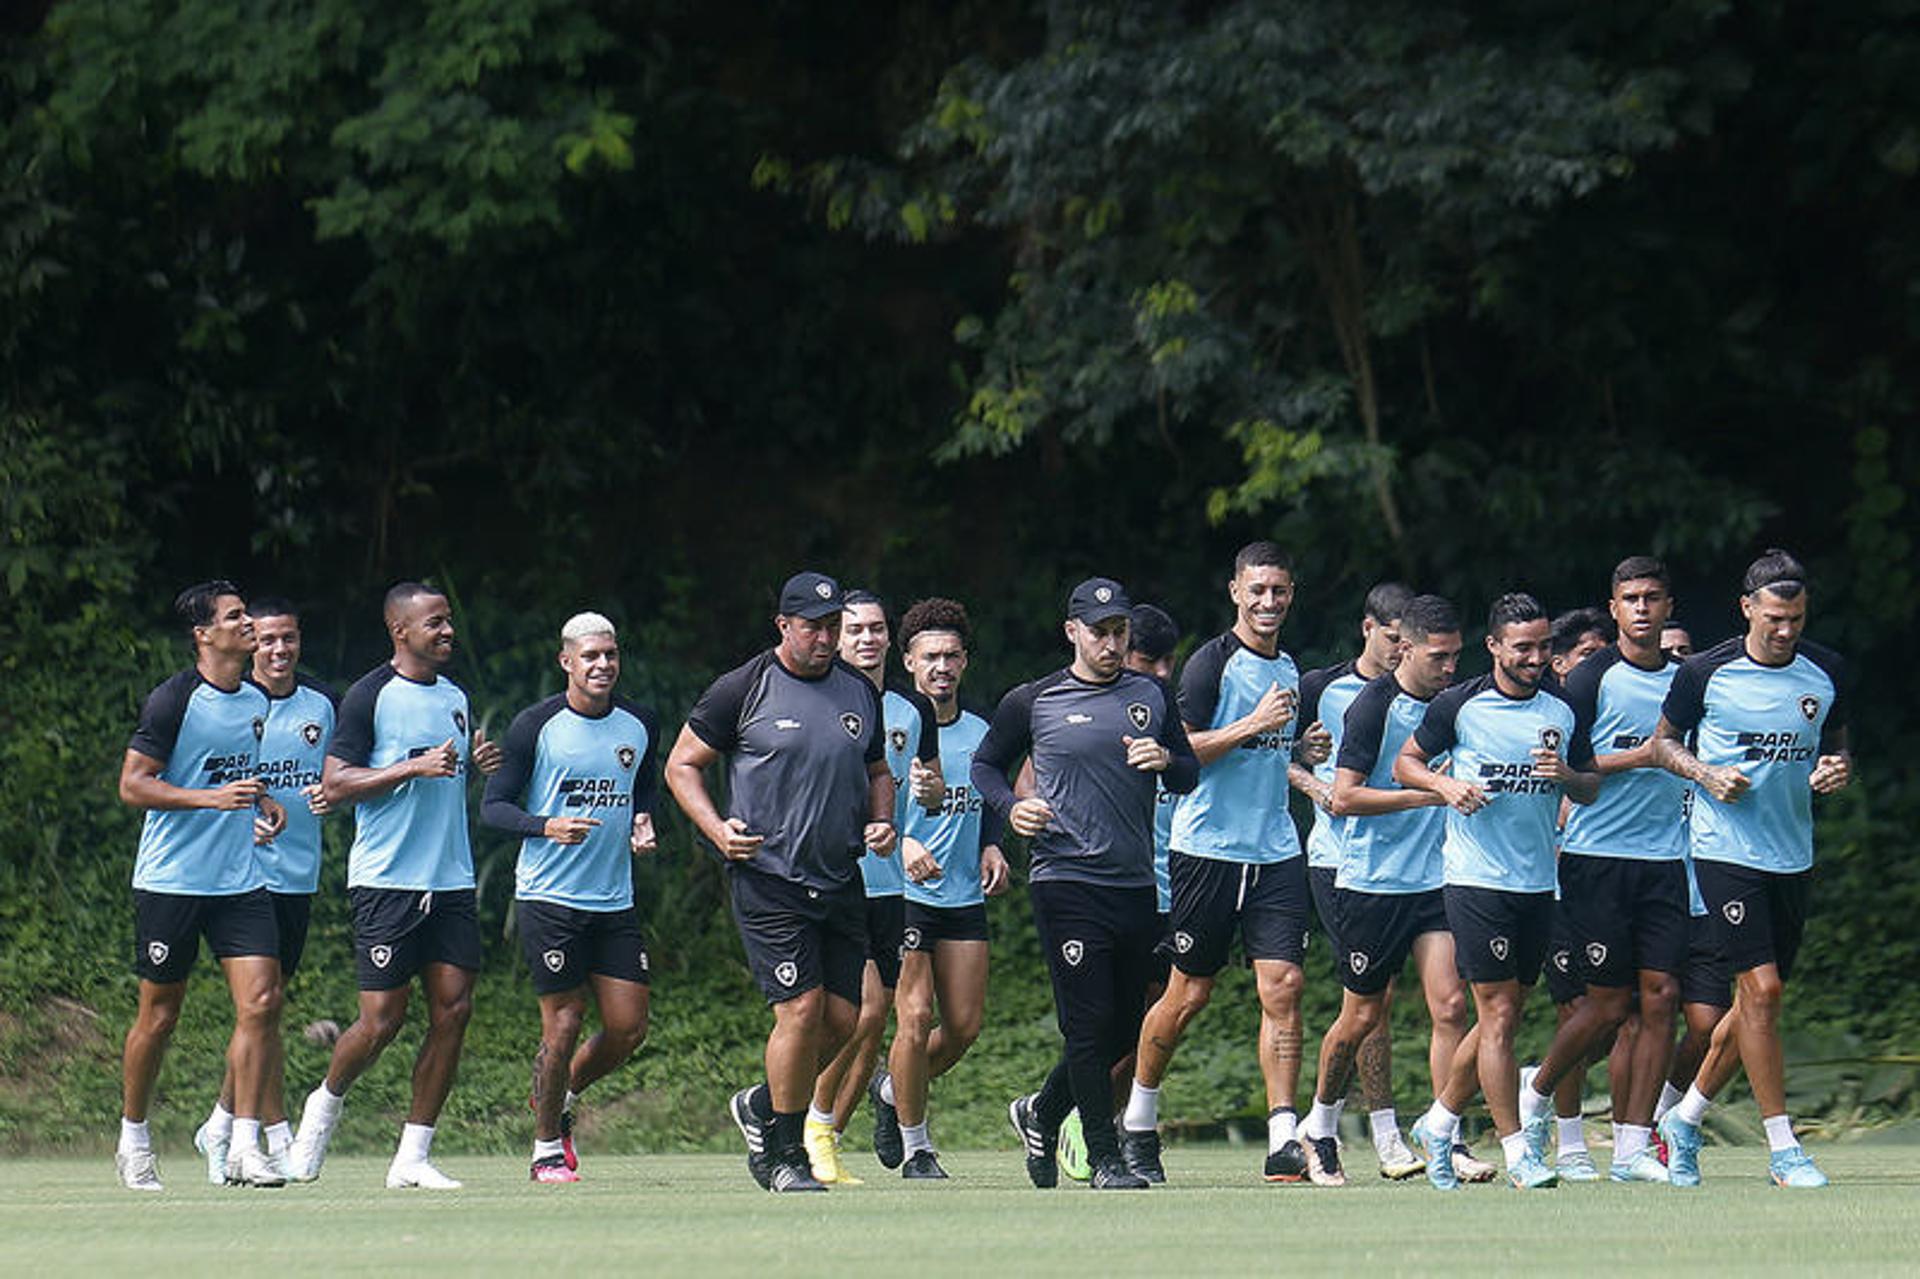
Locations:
157 951
380 956
1358 961
310 733
1499 946
555 960
1810 707
626 756
259 727
897 738
1596 954
1550 739
1073 952
1139 714
460 720
786 973
1182 942
1735 912
853 724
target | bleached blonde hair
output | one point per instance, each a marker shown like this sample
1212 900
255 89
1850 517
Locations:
582 625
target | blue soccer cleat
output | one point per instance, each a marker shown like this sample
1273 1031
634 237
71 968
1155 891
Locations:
1683 1150
1439 1152
1794 1169
1529 1173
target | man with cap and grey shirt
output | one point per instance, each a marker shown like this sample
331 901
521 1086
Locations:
808 789
1100 736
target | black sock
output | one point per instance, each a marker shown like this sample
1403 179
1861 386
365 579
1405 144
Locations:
785 1134
760 1103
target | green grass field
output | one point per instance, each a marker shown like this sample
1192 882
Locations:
700 1214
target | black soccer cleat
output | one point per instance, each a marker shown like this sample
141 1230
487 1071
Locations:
1112 1173
888 1146
1289 1163
790 1173
755 1133
1140 1151
1042 1170
922 1165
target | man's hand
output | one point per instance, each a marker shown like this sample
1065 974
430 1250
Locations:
1029 816
642 839
1147 754
1550 767
1724 782
244 792
487 756
736 845
1462 797
928 786
1274 711
879 838
317 800
1316 745
269 820
995 875
1831 773
570 830
918 861
440 761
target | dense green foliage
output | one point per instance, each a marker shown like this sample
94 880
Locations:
643 305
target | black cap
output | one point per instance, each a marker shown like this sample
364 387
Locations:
810 595
1097 599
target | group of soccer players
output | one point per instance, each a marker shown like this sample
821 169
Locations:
1633 820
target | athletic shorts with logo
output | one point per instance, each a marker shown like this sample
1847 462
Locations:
1755 917
167 928
399 931
927 926
799 938
564 945
1624 915
1213 900
1708 977
886 924
1320 882
1377 932
1497 935
291 914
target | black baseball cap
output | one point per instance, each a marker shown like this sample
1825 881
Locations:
810 595
1097 599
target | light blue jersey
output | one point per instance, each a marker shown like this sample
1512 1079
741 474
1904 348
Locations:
1325 695
204 738
292 750
557 762
1508 844
414 836
1238 811
1640 813
955 834
1771 723
910 733
1387 853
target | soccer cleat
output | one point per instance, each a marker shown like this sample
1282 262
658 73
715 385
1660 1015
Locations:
552 1171
1287 1164
789 1175
1441 1174
567 1151
1397 1162
1073 1149
755 1134
923 1165
246 1166
137 1170
1468 1168
1576 1165
1658 1145
1644 1166
1043 1170
1112 1173
1794 1169
420 1174
1529 1173
1683 1150
309 1149
1323 1162
823 1155
1140 1151
214 1147
888 1146
1537 1130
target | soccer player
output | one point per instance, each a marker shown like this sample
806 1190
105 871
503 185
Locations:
865 638
1236 863
1623 875
1100 736
952 862
1676 642
807 788
577 784
192 765
1768 712
1325 695
1514 753
402 754
1387 903
300 718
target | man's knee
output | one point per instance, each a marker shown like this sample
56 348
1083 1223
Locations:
804 1011
913 1015
1187 995
1448 1009
1280 985
1761 991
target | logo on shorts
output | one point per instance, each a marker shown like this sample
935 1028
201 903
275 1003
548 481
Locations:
786 973
310 733
1358 961
910 940
1550 739
1073 952
853 724
1182 942
897 738
555 960
1499 946
1596 954
1140 715
1562 961
1735 912
1103 593
626 755
157 951
460 720
1810 707
645 965
380 956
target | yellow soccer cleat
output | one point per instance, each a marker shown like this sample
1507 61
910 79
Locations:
823 1156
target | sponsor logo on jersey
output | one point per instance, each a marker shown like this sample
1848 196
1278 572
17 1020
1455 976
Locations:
1077 718
853 724
380 956
1139 714
1073 952
593 792
786 725
555 960
626 755
310 733
1499 946
157 952
786 972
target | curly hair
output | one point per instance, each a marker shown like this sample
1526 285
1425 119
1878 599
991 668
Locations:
936 614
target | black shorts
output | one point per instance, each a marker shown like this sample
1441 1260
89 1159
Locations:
1626 915
167 928
291 911
886 923
1756 916
1377 931
1562 978
799 938
399 931
1320 885
565 945
927 926
1212 900
1497 935
1708 977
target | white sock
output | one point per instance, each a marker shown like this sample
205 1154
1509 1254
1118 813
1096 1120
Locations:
1282 1127
133 1136
914 1136
219 1121
886 1090
415 1141
1629 1140
1573 1135
1669 1098
246 1135
279 1137
1780 1133
1441 1122
1533 1104
815 1115
1324 1119
1143 1108
548 1149
1514 1147
1692 1108
572 1100
324 1105
1385 1127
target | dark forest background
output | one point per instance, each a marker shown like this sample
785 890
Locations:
642 306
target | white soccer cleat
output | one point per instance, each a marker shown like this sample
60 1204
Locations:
309 1148
137 1170
1397 1160
418 1174
248 1167
215 1148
